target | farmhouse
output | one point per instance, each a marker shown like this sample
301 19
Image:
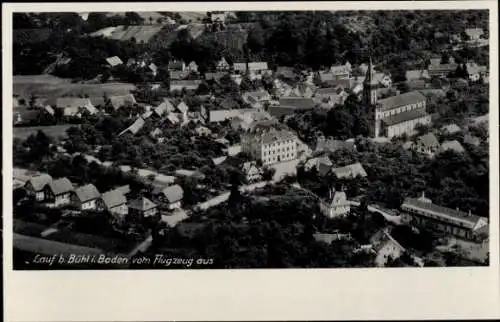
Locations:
115 203
58 192
35 186
87 198
142 208
171 196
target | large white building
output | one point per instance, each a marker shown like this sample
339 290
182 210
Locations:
270 145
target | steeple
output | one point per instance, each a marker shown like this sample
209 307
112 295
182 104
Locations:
370 86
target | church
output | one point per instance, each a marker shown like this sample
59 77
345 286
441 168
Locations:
395 115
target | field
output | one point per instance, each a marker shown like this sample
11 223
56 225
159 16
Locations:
51 130
139 33
51 87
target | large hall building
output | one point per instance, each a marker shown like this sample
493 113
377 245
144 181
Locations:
395 115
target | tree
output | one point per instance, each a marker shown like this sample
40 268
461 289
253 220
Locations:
268 173
133 18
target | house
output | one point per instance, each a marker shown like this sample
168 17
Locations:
426 144
122 101
453 145
474 72
142 207
58 192
189 174
415 74
331 96
182 108
387 248
23 115
256 98
233 150
115 203
125 190
336 206
165 107
192 67
114 61
35 186
135 127
222 65
428 215
450 129
289 105
178 74
156 133
383 78
474 34
173 118
189 85
215 77
218 17
153 68
341 71
172 196
251 171
202 131
472 140
219 160
87 198
442 70
350 171
177 65
330 238
286 73
332 145
72 105
215 116
270 146
322 164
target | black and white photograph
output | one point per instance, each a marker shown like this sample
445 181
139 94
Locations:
198 140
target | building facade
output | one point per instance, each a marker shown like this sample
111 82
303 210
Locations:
336 206
270 146
461 224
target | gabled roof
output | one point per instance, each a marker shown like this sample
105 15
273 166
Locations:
39 182
452 145
87 193
451 128
122 100
456 216
401 100
60 186
428 140
219 160
188 84
135 127
297 102
165 106
416 74
173 118
178 74
141 204
350 171
173 193
182 107
286 72
474 32
176 65
123 189
405 116
257 66
114 61
113 198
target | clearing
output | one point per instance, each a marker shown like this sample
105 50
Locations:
49 86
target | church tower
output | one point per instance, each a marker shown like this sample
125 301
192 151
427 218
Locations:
370 96
370 87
